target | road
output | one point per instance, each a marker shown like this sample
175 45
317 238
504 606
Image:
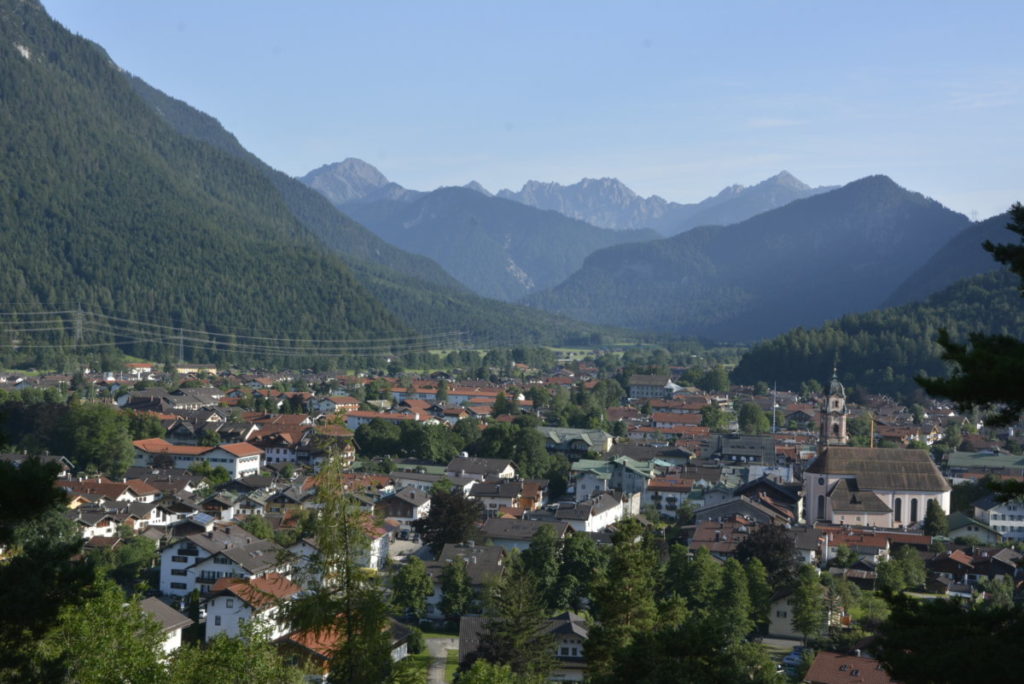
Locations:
438 649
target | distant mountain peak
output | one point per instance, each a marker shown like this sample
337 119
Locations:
787 179
346 181
473 185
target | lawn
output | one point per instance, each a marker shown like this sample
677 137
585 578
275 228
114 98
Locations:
451 665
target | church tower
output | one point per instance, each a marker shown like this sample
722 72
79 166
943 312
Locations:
833 414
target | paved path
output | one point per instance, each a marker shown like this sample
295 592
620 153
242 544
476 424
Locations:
438 649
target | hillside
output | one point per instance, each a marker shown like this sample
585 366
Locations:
608 203
107 207
883 350
802 264
495 247
104 207
961 257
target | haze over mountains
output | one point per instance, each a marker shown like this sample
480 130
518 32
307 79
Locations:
812 260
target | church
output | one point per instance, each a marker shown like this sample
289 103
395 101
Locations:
848 485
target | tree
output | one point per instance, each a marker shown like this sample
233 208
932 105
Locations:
809 609
250 658
752 420
845 557
257 526
541 560
624 598
105 639
948 642
452 519
516 633
343 604
715 379
989 370
696 578
504 405
484 672
914 572
774 546
936 524
712 417
411 587
760 591
456 593
441 395
732 604
378 438
582 565
99 438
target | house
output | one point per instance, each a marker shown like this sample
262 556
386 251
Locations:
406 505
1005 517
481 468
255 559
484 564
64 467
884 487
238 459
312 651
623 474
569 631
961 525
497 494
652 387
233 602
513 533
836 668
170 620
592 515
744 508
576 442
195 541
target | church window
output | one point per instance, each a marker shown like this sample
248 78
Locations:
821 506
913 510
898 513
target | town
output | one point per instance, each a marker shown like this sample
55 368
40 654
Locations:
552 522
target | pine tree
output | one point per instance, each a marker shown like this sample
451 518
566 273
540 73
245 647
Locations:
516 633
411 587
809 609
344 603
732 606
936 524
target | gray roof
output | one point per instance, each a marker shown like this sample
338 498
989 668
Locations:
882 469
256 557
519 530
846 498
501 489
168 618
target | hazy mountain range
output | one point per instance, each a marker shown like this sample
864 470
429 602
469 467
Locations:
812 260
608 203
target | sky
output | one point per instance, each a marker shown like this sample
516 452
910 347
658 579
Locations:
678 99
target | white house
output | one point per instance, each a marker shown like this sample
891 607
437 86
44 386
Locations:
1006 518
233 602
170 620
240 459
592 515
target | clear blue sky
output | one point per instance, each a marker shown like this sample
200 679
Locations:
674 98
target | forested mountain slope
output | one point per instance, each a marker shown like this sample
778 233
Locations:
883 350
103 206
802 264
963 256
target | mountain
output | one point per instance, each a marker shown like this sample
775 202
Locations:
812 260
961 257
882 351
608 203
496 247
119 200
354 180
